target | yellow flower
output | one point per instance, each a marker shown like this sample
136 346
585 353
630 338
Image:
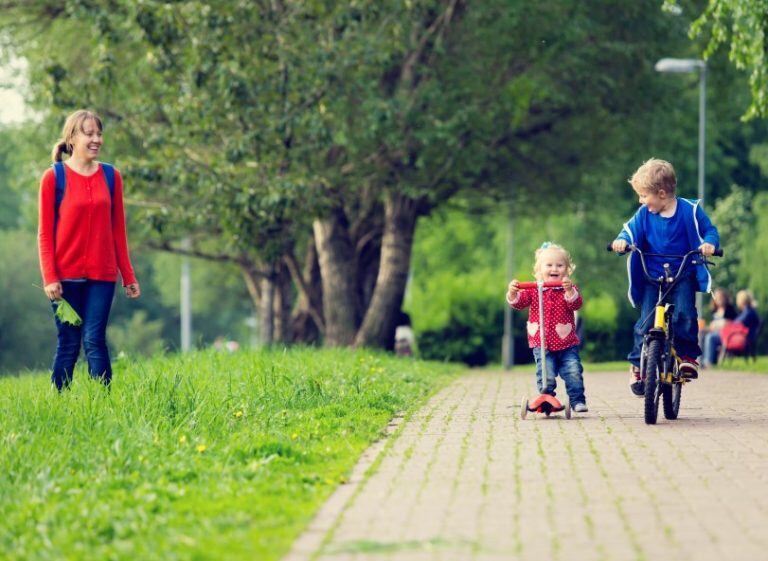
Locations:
201 448
182 439
294 436
238 414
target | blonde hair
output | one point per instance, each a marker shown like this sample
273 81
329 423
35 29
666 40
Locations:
654 176
547 246
74 124
745 298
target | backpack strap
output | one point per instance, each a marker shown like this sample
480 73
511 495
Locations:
61 183
109 175
61 186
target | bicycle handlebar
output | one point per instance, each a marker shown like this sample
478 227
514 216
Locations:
718 252
547 284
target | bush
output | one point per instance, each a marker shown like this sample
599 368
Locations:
472 334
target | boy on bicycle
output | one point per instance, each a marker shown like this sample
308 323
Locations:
671 225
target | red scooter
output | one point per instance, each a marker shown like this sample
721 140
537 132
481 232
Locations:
544 403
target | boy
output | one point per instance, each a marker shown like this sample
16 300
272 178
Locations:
669 225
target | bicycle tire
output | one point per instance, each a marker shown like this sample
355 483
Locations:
671 395
653 364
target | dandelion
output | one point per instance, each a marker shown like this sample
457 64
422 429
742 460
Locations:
294 436
182 439
238 414
201 448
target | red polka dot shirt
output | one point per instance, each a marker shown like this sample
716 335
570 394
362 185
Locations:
559 320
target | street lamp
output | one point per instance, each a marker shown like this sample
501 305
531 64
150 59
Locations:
687 65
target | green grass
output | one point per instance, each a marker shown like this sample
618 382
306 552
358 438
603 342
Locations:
203 456
760 366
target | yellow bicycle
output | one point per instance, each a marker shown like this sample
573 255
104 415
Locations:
659 363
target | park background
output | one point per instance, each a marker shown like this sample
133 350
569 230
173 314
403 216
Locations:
320 167
315 159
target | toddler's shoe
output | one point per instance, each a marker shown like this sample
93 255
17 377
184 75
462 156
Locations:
689 367
580 407
636 381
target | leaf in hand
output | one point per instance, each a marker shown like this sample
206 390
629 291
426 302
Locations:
67 313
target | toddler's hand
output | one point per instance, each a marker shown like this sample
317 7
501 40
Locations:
619 246
512 290
568 286
707 249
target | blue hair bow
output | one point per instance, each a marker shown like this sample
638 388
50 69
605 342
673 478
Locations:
545 245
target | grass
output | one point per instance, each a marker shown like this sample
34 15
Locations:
759 366
194 457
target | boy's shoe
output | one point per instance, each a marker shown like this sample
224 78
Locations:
580 407
636 381
689 367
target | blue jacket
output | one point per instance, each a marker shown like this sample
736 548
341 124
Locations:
699 229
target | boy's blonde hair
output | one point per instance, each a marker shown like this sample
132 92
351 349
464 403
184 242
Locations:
745 298
654 176
547 246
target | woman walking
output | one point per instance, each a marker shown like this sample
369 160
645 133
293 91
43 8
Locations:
83 245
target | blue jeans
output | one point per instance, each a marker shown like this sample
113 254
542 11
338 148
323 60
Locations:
684 319
92 300
567 365
712 342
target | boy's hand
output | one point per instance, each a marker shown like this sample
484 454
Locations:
707 249
568 286
619 246
512 290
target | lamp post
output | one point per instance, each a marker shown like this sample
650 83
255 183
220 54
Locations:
685 66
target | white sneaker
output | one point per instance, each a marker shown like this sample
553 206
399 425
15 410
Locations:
580 408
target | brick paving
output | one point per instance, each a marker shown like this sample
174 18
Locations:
466 479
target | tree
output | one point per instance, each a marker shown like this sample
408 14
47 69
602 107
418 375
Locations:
742 25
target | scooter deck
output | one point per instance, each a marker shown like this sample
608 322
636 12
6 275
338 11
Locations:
546 403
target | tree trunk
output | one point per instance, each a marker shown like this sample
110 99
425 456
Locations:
378 328
307 323
282 304
267 309
336 255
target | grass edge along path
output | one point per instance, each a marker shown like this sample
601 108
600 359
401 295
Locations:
201 456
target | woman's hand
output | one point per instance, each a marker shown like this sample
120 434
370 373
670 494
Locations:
133 290
53 291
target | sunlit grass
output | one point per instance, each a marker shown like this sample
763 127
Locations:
203 456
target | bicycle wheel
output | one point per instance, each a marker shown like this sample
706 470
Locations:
671 394
653 365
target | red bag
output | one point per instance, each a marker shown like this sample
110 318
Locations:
734 336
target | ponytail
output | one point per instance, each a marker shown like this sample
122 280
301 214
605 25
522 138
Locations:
59 148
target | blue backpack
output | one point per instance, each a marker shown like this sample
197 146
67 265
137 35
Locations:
61 182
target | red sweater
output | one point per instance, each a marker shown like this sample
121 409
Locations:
559 321
88 240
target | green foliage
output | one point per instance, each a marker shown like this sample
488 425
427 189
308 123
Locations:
742 26
203 457
67 314
137 336
735 221
27 331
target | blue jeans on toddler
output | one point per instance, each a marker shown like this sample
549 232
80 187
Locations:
567 365
684 319
92 300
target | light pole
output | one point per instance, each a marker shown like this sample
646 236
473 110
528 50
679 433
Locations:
508 340
688 65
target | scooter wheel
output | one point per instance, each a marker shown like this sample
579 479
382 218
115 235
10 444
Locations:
524 408
568 409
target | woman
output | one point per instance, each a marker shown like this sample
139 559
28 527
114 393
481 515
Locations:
722 313
82 245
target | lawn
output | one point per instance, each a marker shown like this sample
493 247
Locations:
202 456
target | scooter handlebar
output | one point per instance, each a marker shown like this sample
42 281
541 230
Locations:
547 284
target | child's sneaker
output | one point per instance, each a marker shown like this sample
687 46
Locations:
689 367
580 407
636 381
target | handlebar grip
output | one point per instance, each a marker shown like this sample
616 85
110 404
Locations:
609 247
718 253
547 284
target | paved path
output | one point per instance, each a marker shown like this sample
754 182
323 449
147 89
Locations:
467 479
